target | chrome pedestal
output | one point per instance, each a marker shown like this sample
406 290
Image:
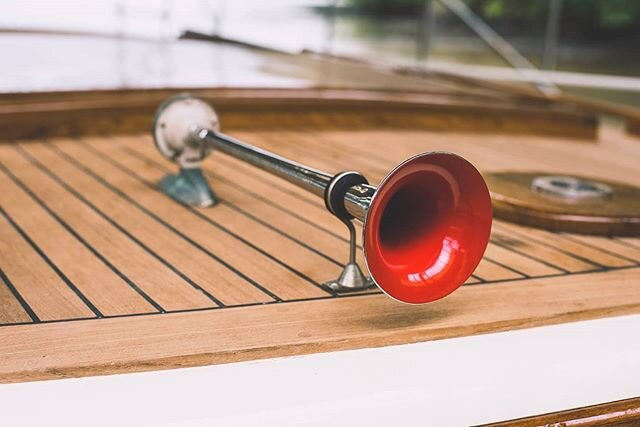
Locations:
352 278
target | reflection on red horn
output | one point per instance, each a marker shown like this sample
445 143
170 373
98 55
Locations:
427 227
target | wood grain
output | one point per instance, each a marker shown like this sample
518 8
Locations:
178 252
42 289
261 269
12 311
515 201
157 280
623 413
99 112
110 295
594 255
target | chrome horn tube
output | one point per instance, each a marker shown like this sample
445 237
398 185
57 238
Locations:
425 227
347 194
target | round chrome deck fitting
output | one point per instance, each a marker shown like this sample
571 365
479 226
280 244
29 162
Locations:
571 188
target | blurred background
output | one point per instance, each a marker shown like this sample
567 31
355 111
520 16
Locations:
587 47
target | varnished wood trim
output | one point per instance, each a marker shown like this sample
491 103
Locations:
99 112
514 201
594 225
620 413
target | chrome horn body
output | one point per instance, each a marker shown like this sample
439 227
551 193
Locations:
429 211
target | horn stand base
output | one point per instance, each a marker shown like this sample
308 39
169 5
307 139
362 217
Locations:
189 187
352 278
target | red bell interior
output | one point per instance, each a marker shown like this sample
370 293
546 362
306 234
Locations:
427 227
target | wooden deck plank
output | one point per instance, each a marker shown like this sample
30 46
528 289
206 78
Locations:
260 176
48 296
336 156
490 271
292 147
545 253
499 152
45 292
284 194
110 295
612 246
211 273
264 272
314 211
206 272
262 223
11 310
154 278
277 208
221 336
524 264
332 148
575 248
620 165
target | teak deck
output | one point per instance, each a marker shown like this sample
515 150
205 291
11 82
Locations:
101 273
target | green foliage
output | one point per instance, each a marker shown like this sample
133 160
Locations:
581 16
592 13
619 13
387 7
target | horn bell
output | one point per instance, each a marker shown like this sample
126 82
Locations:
427 227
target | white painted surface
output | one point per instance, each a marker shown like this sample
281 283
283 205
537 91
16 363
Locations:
450 382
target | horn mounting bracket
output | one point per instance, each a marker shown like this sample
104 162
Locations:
352 278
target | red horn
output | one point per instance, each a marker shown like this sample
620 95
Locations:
427 227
